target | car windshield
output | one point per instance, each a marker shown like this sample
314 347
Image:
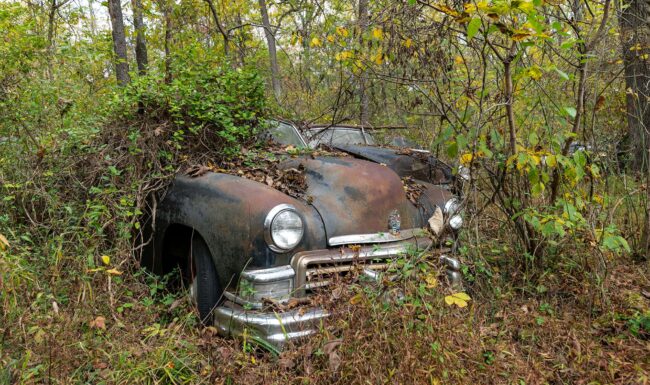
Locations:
285 134
339 135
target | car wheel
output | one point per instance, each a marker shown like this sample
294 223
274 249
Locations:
204 287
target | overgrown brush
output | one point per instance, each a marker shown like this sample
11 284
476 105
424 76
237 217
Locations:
71 212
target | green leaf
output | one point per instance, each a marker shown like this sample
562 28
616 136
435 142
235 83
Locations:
538 189
570 111
562 74
452 150
472 27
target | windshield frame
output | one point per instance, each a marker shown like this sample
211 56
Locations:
316 133
277 122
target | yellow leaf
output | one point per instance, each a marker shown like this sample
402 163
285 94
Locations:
598 199
526 6
458 299
343 55
4 243
379 58
106 259
315 42
408 43
535 159
459 60
551 161
470 8
466 159
341 31
330 38
534 72
445 9
482 5
356 299
431 281
377 33
113 272
519 36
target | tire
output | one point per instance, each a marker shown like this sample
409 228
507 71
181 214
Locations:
204 287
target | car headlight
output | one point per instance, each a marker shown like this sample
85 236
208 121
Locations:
451 206
283 228
456 222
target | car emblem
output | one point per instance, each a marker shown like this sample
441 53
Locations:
394 222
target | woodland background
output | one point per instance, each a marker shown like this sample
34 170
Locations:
102 103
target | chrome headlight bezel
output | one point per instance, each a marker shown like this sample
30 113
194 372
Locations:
451 207
268 228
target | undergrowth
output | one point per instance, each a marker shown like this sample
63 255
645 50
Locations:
76 307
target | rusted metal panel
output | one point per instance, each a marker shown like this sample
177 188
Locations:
354 196
419 165
346 196
229 213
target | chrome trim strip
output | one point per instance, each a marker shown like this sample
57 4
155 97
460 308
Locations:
279 273
373 238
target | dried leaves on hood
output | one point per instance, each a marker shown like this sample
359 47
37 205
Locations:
412 188
264 167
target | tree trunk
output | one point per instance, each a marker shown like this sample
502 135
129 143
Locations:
273 57
119 42
363 21
141 56
51 31
635 36
220 27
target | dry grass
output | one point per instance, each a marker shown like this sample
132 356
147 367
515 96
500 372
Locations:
573 332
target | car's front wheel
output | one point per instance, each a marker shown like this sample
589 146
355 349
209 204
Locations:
204 286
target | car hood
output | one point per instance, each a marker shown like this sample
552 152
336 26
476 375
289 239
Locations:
416 164
354 196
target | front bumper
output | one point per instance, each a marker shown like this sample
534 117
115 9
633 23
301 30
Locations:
255 311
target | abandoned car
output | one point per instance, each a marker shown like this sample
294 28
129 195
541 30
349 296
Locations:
244 247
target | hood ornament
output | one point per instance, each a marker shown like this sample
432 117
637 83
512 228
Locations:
394 222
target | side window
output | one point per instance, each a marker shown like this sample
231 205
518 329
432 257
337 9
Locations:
285 134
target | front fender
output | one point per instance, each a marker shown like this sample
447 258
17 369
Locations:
229 212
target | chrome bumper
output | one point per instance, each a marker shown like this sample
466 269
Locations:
272 327
246 312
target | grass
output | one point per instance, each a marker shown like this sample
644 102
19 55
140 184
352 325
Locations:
564 328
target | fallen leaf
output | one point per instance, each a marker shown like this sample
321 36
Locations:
431 281
334 361
334 358
106 259
113 272
458 299
55 307
286 363
330 346
98 323
356 299
437 221
4 243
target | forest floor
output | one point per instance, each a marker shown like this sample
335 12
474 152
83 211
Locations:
564 328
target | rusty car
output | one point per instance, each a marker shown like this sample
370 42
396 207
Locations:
243 246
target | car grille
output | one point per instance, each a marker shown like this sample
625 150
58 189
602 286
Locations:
319 268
